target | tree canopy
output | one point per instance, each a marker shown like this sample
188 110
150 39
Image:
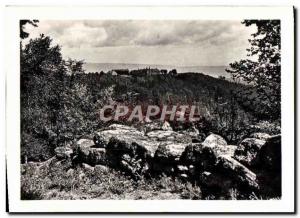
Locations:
263 70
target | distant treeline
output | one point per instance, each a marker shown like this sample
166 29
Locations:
138 72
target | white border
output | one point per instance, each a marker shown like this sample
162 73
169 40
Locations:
14 14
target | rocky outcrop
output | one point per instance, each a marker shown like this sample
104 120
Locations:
214 140
169 135
269 156
200 156
255 164
167 158
169 152
214 168
260 135
268 167
92 156
123 139
247 151
194 134
157 125
85 143
240 174
87 152
219 145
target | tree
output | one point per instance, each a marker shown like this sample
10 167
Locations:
55 106
173 72
74 66
40 57
24 34
263 71
42 87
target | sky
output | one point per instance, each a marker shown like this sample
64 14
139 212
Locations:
158 42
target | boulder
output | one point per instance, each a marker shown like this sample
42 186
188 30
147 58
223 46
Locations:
157 125
87 167
117 131
167 157
260 135
199 156
269 172
86 143
247 151
217 171
219 145
214 140
135 145
194 134
269 155
228 150
92 156
63 152
169 152
227 175
237 172
120 139
214 180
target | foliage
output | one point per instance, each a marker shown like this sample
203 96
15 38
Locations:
22 24
74 67
263 71
57 180
52 105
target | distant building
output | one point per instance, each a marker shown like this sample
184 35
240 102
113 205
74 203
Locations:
153 71
147 71
121 71
112 72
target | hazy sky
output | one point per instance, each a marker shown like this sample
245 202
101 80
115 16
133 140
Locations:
178 43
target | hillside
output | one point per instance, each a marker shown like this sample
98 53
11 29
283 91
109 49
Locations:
79 98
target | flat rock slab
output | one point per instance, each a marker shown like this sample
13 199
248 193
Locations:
169 135
170 151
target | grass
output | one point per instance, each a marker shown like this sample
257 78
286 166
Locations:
58 181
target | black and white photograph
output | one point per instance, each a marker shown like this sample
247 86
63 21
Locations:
189 110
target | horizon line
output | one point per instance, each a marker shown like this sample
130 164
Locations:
160 64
